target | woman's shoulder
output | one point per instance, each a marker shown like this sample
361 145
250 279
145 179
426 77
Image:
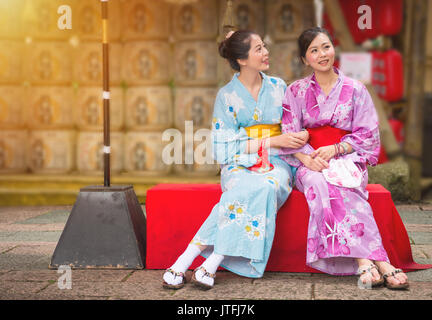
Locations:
227 88
358 86
229 94
299 86
274 80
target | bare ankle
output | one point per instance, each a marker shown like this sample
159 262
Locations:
362 261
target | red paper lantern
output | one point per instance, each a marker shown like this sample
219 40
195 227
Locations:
350 9
386 17
387 74
390 16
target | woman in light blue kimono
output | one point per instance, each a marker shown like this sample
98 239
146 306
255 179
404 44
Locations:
239 231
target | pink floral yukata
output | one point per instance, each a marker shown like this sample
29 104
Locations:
341 224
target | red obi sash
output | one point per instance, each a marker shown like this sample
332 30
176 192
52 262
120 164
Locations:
325 136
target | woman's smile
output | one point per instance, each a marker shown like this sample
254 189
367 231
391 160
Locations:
323 62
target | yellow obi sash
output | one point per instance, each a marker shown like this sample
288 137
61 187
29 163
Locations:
260 131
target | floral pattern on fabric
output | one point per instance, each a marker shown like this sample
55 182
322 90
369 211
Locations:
341 223
241 225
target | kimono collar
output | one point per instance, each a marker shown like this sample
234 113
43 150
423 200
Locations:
240 85
314 82
235 77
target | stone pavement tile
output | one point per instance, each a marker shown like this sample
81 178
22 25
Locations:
11 289
268 275
7 236
22 261
420 275
418 227
42 264
30 276
415 217
426 207
108 290
427 250
147 275
99 275
3 271
233 287
53 216
28 243
227 286
420 251
31 227
316 277
61 297
76 275
21 213
46 248
420 237
293 288
19 296
83 280
10 236
325 290
4 247
407 207
153 280
27 256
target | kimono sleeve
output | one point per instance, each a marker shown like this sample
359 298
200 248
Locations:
292 122
364 136
228 138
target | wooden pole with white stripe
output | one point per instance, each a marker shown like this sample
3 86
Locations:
106 227
106 94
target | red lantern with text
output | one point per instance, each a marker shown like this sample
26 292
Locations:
367 19
387 74
361 18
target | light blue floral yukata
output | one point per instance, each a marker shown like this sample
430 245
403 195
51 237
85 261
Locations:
242 225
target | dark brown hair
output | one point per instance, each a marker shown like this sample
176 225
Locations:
307 37
237 46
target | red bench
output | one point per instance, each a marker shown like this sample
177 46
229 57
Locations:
175 212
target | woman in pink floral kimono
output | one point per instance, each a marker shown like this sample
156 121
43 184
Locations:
343 238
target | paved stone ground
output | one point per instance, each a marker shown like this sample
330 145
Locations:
28 236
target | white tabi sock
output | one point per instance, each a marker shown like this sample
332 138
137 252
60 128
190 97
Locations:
182 264
210 265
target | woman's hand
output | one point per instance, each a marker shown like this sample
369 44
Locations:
314 164
326 153
293 140
304 135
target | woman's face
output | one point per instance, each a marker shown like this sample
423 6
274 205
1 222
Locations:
320 54
258 56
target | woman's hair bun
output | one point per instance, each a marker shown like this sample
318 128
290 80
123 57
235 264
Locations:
236 46
223 50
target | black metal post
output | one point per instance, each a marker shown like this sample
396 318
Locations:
106 94
107 227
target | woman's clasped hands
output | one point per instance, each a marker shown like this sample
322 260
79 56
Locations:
319 159
293 140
